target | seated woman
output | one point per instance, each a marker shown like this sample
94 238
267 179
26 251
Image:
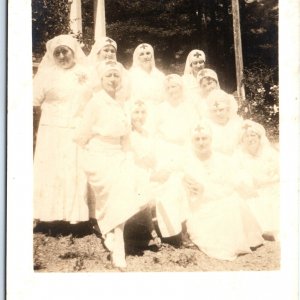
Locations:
60 89
103 134
220 223
208 81
105 49
258 163
195 62
146 80
142 146
174 118
225 123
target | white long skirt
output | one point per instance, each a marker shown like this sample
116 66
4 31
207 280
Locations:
119 192
224 228
172 206
59 182
266 208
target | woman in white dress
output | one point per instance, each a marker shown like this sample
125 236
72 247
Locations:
224 121
103 134
146 80
258 163
143 147
195 62
220 222
105 49
60 89
174 119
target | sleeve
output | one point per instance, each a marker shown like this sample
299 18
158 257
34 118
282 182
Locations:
39 89
270 172
84 131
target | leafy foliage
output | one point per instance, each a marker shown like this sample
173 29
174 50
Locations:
174 27
262 103
49 18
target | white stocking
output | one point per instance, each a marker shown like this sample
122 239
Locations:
118 254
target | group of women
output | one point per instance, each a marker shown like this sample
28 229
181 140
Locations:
112 142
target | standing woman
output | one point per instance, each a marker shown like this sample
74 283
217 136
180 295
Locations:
195 62
60 89
146 80
103 134
104 48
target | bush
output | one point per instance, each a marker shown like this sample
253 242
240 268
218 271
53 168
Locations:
49 19
262 98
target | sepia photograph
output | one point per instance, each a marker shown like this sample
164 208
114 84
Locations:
155 136
155 144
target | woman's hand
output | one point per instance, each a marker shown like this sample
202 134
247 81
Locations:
148 162
160 176
192 186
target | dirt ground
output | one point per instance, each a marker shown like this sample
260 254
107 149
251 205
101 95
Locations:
77 249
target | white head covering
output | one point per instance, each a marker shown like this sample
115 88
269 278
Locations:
190 58
199 126
174 78
133 104
177 80
207 73
137 52
61 40
249 125
100 44
108 65
219 98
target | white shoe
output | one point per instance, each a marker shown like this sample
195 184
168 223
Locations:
119 261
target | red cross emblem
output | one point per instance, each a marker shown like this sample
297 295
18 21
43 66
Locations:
144 46
197 54
110 41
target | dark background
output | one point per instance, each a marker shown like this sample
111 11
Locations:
176 27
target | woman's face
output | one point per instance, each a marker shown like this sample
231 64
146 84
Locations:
202 142
108 52
208 84
174 90
197 64
145 58
64 57
251 141
111 81
220 114
138 117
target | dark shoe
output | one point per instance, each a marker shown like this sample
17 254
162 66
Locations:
95 227
268 236
186 241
